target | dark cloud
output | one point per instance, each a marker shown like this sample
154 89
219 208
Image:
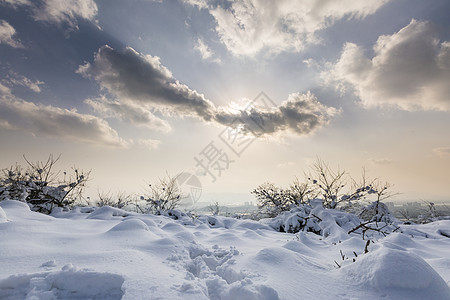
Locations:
300 114
56 122
142 82
142 79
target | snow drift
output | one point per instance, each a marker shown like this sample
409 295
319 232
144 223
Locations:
108 253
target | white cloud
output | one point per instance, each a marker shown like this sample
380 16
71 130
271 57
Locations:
67 11
246 27
58 11
380 161
17 79
442 151
285 165
4 90
6 35
205 51
128 111
410 70
148 144
15 3
5 124
57 122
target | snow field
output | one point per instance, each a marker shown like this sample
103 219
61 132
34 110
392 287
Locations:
107 253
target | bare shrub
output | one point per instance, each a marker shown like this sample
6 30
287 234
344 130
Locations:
214 208
164 195
121 200
334 187
42 188
271 199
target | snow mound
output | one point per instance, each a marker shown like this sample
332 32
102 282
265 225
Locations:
69 283
399 241
248 291
107 213
252 225
3 217
402 273
212 221
300 247
13 204
130 225
49 264
443 232
232 223
173 227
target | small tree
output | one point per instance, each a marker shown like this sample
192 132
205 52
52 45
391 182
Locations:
163 196
272 200
329 184
214 208
333 187
40 187
302 192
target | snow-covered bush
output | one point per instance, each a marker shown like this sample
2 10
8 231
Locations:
336 189
377 212
330 223
376 219
297 219
373 221
40 187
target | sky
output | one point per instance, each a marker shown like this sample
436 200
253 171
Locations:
235 93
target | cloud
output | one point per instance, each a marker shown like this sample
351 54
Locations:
300 114
148 144
140 83
442 151
205 51
380 161
139 78
246 27
57 122
409 70
4 90
6 35
16 3
57 11
128 111
286 165
17 79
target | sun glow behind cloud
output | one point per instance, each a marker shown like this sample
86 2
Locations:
158 86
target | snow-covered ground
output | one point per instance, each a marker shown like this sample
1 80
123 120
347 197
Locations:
112 254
